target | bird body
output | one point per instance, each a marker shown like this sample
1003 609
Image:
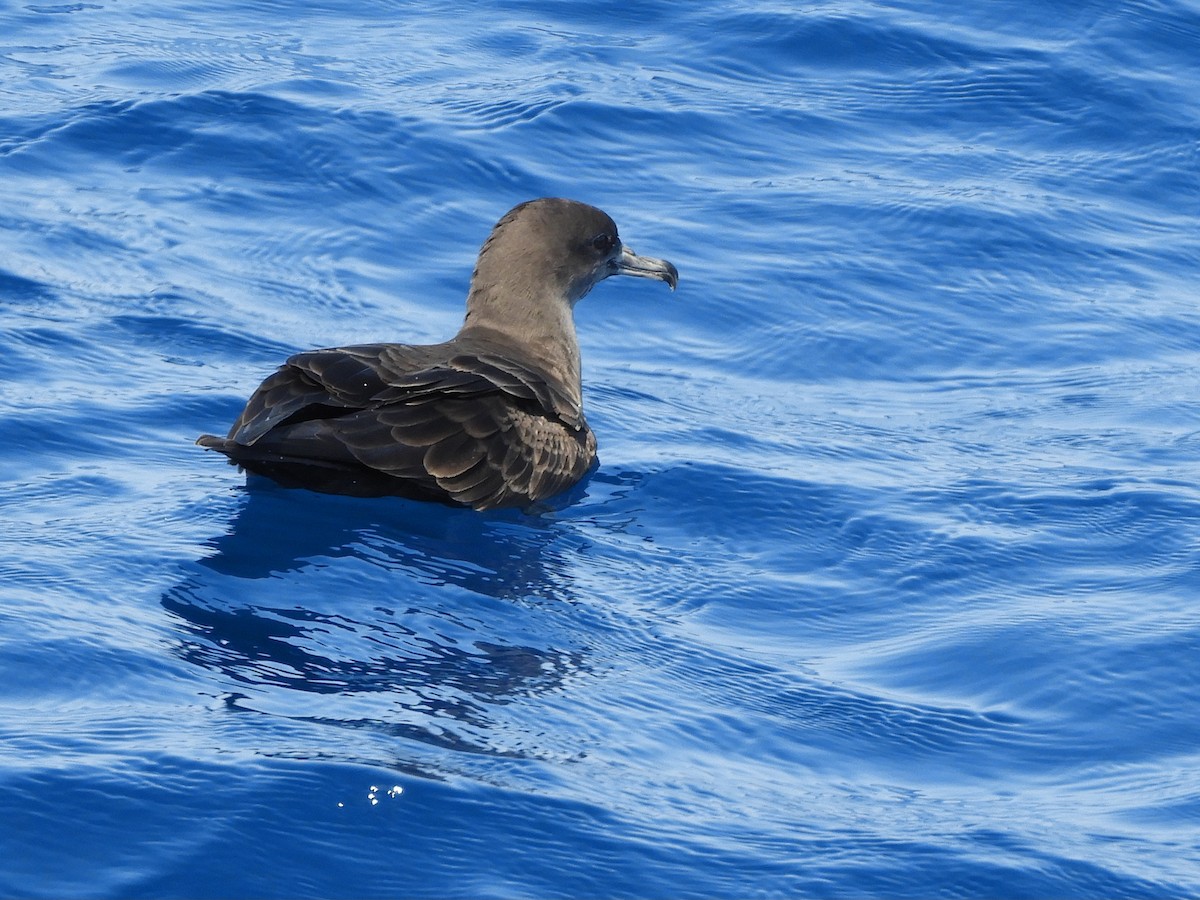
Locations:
491 418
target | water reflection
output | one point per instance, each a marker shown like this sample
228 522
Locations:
444 615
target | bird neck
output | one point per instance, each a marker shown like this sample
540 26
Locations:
540 329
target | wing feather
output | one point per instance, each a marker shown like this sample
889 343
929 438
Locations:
450 422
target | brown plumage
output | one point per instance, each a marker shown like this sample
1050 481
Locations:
491 418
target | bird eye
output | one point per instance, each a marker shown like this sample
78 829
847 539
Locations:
603 242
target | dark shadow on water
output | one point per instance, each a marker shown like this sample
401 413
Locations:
447 614
278 530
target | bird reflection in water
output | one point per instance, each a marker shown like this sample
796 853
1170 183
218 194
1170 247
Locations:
333 609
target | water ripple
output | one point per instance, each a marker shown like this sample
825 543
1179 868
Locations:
884 585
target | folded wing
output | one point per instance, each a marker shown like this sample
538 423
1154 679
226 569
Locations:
470 428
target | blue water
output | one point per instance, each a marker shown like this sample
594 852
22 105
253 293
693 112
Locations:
887 585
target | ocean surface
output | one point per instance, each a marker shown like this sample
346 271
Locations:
887 584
